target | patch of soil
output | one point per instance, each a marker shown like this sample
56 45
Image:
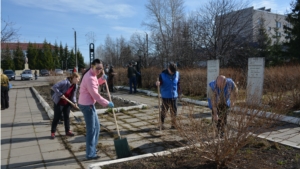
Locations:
275 156
45 92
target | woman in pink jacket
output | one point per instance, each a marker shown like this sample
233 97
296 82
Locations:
88 96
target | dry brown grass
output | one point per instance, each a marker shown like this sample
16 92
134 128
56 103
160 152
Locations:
284 81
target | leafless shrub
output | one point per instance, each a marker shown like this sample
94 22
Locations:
242 122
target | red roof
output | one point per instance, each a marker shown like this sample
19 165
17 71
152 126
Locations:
23 46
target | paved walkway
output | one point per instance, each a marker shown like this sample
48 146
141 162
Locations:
26 143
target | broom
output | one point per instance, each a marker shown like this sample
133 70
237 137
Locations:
121 144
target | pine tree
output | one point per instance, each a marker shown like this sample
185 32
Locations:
263 41
61 56
7 60
55 54
80 61
19 58
293 31
71 60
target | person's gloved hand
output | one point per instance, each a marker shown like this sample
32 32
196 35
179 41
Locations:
110 105
104 77
157 83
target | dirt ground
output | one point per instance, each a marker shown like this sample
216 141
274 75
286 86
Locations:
252 156
45 92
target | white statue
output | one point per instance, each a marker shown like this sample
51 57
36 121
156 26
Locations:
26 60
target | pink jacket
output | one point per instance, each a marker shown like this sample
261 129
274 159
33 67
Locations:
88 93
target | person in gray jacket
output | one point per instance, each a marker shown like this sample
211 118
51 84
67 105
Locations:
66 88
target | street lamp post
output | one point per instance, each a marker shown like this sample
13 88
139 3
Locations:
139 65
75 50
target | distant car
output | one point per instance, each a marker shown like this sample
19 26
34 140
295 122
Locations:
10 74
44 72
59 72
70 71
27 75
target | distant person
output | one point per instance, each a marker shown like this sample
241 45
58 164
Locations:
169 82
4 91
106 71
74 70
88 96
131 74
35 75
219 101
66 88
110 81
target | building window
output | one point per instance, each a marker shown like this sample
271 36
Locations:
269 28
259 21
278 34
278 24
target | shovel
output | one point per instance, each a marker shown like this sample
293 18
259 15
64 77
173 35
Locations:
121 144
78 120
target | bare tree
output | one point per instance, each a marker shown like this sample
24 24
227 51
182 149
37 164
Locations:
9 32
164 17
222 27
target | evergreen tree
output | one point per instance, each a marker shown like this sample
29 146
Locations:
55 54
46 57
61 55
65 57
19 58
71 60
7 61
276 53
263 41
32 55
293 31
80 61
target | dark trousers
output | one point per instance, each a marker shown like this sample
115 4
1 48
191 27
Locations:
166 104
222 120
132 81
4 97
58 109
110 83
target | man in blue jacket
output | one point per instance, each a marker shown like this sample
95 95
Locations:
219 101
169 89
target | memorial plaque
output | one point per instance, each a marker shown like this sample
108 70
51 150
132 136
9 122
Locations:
213 68
255 80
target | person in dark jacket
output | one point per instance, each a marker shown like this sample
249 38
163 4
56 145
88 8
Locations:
35 75
169 83
131 74
66 88
110 80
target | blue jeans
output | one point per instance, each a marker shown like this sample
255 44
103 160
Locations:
92 129
132 80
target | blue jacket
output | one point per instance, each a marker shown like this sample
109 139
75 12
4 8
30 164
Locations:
230 86
169 84
60 88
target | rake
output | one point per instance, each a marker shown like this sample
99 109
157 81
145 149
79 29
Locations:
76 118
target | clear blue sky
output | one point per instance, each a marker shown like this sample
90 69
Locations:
53 20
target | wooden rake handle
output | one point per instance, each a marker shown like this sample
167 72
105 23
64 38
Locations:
159 114
71 103
108 93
